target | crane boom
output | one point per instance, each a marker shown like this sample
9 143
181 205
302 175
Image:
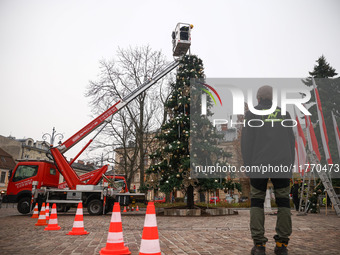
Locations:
181 46
94 124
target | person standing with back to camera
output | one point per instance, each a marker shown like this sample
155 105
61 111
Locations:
269 145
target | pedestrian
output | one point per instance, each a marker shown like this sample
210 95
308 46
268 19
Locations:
270 145
295 192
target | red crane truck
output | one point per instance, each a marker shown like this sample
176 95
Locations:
38 181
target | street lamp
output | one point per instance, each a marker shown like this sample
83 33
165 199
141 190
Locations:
53 136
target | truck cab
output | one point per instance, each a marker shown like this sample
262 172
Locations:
19 188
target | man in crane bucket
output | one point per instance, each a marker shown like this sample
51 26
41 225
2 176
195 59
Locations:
272 147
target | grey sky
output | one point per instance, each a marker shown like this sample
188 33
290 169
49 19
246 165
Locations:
49 50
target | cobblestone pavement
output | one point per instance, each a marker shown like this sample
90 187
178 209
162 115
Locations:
312 234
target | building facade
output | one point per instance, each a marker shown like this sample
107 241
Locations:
7 164
24 148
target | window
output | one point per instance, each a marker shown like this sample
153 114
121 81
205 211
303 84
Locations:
119 184
3 159
3 177
24 172
53 171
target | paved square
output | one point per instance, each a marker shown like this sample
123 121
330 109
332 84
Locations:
312 234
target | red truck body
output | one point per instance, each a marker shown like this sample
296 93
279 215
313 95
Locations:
46 177
25 172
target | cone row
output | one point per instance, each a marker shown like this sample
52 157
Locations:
115 240
35 212
78 224
53 222
42 217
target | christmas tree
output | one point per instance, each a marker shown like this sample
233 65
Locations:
173 167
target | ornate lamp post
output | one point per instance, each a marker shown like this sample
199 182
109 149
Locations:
53 136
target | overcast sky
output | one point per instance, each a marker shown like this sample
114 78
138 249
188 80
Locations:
49 50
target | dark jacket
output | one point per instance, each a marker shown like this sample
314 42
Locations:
268 145
295 190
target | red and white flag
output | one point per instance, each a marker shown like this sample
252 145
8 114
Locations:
337 133
311 138
322 125
300 143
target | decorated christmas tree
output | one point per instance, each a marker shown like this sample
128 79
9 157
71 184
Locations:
172 167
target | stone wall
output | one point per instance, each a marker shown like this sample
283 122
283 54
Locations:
11 146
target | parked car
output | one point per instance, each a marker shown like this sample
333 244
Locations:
159 200
213 199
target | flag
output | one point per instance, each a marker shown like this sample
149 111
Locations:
300 143
322 125
337 133
311 138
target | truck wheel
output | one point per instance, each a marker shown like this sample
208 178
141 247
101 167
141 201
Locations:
95 207
24 205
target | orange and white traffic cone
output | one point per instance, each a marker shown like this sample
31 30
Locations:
42 217
137 209
35 212
53 222
124 209
78 224
150 240
115 240
48 211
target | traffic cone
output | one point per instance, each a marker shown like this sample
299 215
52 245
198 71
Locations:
48 211
53 222
115 240
42 217
35 212
137 209
124 209
78 224
128 208
150 240
132 208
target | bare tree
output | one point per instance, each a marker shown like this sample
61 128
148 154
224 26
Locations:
118 77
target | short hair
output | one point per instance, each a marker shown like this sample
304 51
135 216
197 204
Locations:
265 92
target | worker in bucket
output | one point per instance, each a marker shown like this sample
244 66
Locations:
271 145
